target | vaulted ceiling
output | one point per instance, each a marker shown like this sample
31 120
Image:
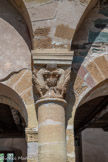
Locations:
93 114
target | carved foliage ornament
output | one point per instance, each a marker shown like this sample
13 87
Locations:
51 82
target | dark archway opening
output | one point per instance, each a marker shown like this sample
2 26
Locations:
91 131
13 145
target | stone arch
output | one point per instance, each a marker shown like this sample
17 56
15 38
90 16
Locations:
90 50
94 74
9 97
93 86
56 28
15 66
90 116
91 4
100 89
16 82
22 8
91 76
14 41
63 23
89 67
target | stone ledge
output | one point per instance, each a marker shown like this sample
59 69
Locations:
31 134
52 56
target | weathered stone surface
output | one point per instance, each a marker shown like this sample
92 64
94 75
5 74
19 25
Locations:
28 96
70 140
25 82
43 12
67 13
52 146
96 74
42 43
67 10
14 79
98 90
64 32
53 134
82 71
78 85
12 43
56 28
89 80
42 31
32 3
103 65
32 117
31 134
32 151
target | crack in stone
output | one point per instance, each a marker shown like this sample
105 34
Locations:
43 4
48 18
13 73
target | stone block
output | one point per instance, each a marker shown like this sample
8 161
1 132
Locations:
43 12
24 83
89 80
27 97
64 32
103 65
82 71
51 133
95 73
13 80
32 151
42 43
32 117
78 88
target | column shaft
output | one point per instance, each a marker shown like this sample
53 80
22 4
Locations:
51 120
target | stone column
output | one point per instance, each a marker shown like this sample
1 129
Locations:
50 82
51 120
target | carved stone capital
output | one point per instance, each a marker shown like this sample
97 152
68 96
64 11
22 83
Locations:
51 82
51 73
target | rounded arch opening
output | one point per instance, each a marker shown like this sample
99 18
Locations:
91 125
92 99
101 89
13 120
91 130
13 144
10 97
